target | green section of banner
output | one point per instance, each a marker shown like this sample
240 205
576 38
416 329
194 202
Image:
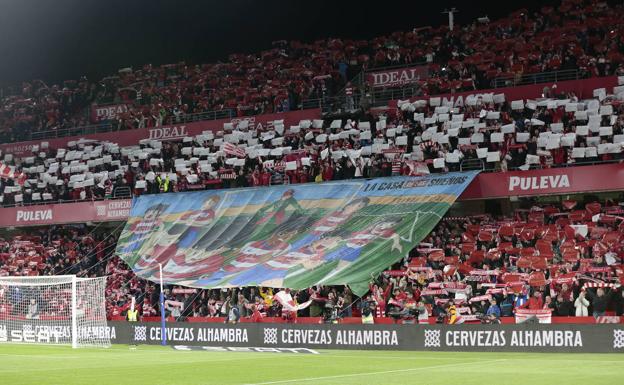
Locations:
370 244
342 233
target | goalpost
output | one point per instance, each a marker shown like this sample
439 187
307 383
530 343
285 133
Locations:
62 309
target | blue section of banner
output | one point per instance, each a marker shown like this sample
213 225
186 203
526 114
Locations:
450 184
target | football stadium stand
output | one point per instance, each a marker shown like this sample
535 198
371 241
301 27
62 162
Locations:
422 136
399 105
554 253
575 40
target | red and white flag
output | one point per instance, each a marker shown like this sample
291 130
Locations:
608 319
288 303
8 172
234 150
480 298
544 316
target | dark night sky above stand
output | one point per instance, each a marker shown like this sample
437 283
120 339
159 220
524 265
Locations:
65 39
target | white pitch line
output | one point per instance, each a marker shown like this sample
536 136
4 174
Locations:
457 358
373 373
38 356
389 357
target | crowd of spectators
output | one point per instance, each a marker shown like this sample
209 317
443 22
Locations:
419 137
56 250
576 35
478 268
563 258
567 259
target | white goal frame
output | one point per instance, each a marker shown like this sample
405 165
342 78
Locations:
78 316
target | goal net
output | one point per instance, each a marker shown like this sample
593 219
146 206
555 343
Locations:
54 310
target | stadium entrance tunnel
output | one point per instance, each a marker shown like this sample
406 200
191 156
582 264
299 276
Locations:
598 338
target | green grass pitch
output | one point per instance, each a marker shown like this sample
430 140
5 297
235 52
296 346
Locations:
154 365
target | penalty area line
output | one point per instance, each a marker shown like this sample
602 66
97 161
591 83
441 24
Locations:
373 373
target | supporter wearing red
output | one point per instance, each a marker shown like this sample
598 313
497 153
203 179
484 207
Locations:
535 302
256 316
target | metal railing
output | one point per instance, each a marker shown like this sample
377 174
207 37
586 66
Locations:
113 126
122 192
492 166
325 104
395 66
381 96
541 77
59 201
471 164
378 97
73 131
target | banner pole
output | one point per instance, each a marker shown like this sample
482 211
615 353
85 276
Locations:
163 331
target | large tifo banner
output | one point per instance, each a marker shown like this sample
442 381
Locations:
339 233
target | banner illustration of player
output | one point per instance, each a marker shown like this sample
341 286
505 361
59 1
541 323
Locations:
285 236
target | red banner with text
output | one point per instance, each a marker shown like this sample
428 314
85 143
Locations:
111 111
398 76
605 177
80 212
